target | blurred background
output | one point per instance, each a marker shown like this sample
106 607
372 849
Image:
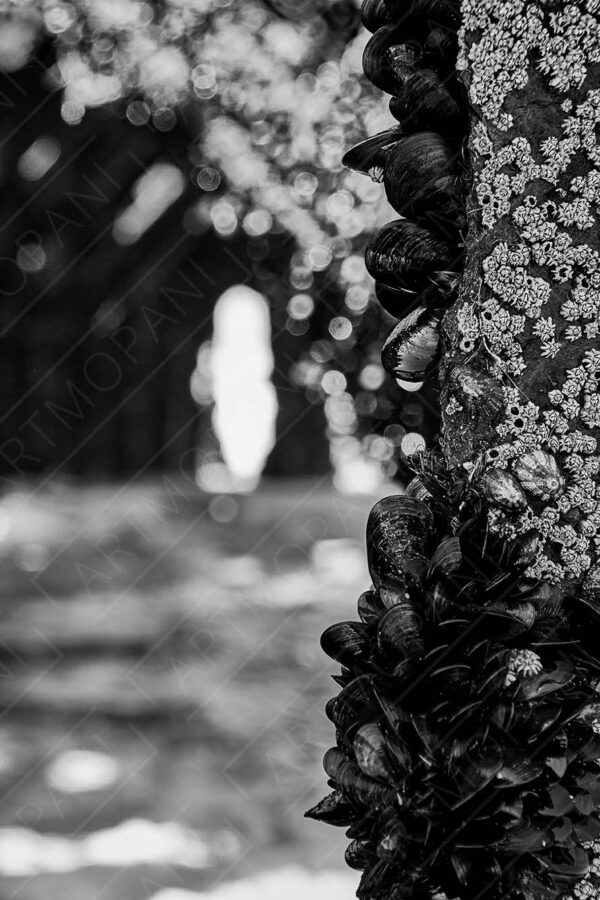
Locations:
194 423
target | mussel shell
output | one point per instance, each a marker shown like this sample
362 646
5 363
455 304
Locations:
536 686
374 14
398 531
387 60
404 255
446 558
526 548
359 788
399 635
440 50
370 752
422 182
518 771
436 12
332 760
357 855
393 593
424 103
346 642
398 302
411 351
439 599
416 488
539 474
502 489
334 810
391 839
370 607
371 154
355 705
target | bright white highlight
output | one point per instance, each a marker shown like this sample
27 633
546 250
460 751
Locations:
245 399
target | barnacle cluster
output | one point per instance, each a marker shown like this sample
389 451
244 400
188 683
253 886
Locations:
538 309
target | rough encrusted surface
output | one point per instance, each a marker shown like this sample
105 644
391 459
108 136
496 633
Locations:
529 310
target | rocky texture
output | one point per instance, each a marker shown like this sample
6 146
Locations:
528 311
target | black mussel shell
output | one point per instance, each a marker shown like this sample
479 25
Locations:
355 705
446 558
399 636
411 351
374 14
424 103
370 752
370 155
416 488
404 255
436 12
334 810
346 642
422 182
359 788
398 530
370 607
525 550
399 301
387 60
332 760
357 855
440 50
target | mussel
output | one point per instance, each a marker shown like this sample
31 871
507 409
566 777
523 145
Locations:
399 637
424 103
416 488
357 854
334 810
402 254
387 60
374 14
370 607
346 642
359 788
332 760
411 351
525 550
446 558
392 838
398 531
503 490
422 182
440 50
369 156
353 706
539 474
370 752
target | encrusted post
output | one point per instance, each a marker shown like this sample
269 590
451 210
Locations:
466 756
530 297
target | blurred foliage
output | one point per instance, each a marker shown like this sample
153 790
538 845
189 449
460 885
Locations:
271 94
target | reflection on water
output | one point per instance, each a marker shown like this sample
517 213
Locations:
162 689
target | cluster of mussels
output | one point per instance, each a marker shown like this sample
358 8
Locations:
416 260
464 764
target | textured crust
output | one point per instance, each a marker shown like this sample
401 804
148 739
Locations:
530 304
